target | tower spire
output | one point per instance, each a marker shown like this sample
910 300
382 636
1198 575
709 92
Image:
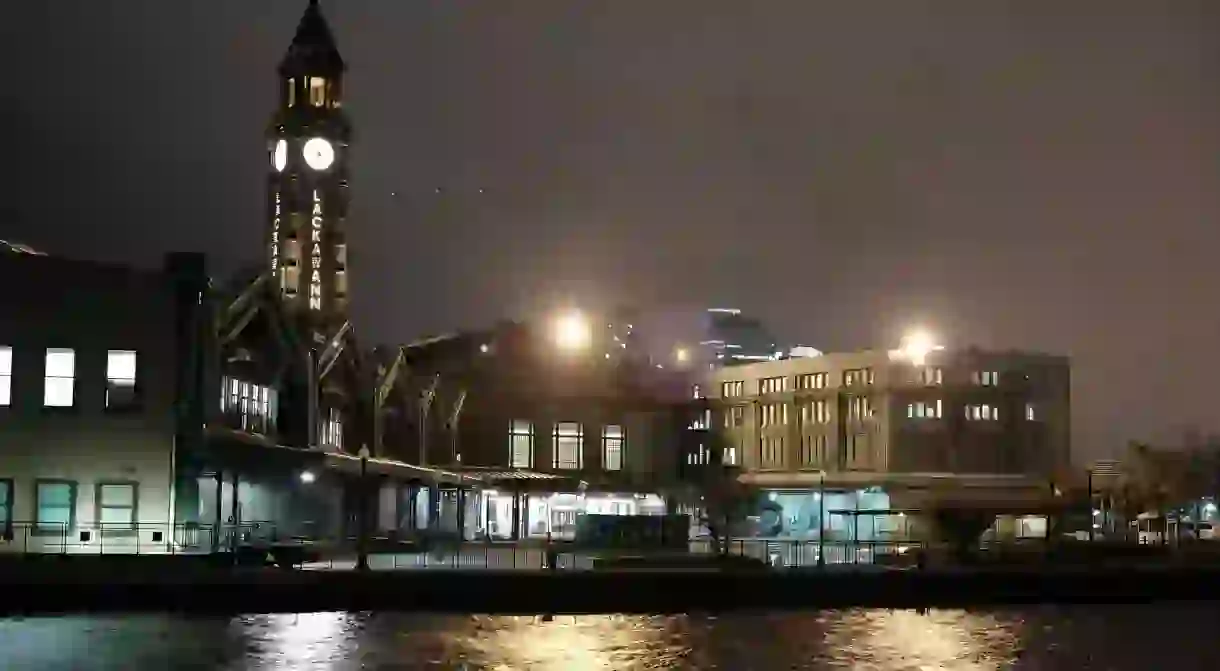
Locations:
313 50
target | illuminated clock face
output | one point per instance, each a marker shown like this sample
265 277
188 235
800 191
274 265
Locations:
319 153
280 158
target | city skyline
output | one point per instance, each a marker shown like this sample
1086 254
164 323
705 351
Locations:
781 181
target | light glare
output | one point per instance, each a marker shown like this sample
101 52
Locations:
572 331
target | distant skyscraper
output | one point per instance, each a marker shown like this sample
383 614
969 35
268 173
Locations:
733 339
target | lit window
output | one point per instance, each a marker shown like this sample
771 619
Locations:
6 375
60 378
332 428
813 450
772 451
772 385
292 92
985 378
702 422
521 444
859 407
815 412
773 413
982 412
730 456
857 377
317 91
695 392
120 378
1030 414
250 407
54 506
736 416
730 389
925 409
932 376
116 506
569 438
812 381
612 448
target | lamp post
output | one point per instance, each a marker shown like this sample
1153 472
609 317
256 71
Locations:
362 532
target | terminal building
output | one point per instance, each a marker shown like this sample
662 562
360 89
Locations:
853 444
164 411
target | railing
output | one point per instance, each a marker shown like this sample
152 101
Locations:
139 538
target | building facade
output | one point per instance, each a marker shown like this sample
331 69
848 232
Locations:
550 434
88 369
866 441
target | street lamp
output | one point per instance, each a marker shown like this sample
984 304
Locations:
916 346
362 551
682 355
307 477
572 332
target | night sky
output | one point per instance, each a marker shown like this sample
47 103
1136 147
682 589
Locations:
1036 175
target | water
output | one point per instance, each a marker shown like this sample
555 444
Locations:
1076 638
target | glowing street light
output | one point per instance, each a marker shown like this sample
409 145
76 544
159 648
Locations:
917 345
307 477
572 332
682 355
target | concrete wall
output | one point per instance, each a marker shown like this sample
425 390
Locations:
91 309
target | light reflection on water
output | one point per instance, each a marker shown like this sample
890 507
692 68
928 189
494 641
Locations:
1120 637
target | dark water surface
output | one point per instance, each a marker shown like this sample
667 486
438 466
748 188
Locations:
1096 637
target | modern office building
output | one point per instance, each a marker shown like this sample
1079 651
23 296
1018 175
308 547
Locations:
891 432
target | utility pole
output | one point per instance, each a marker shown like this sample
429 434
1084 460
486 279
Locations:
362 532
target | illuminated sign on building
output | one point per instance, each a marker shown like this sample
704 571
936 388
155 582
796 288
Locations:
275 236
315 260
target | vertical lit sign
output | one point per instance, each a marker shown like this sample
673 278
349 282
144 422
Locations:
315 260
275 235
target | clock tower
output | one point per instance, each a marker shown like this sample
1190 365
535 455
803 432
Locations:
307 164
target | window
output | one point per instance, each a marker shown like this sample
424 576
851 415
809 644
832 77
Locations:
702 422
6 509
859 407
815 412
520 444
120 379
772 451
857 377
982 412
292 92
813 450
6 375
317 92
612 448
985 378
331 431
696 392
54 506
116 506
569 437
729 456
773 413
925 409
251 407
1030 414
735 417
857 449
812 381
772 385
932 376
701 456
60 379
730 389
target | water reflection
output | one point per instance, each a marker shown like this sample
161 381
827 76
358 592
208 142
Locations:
1127 637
